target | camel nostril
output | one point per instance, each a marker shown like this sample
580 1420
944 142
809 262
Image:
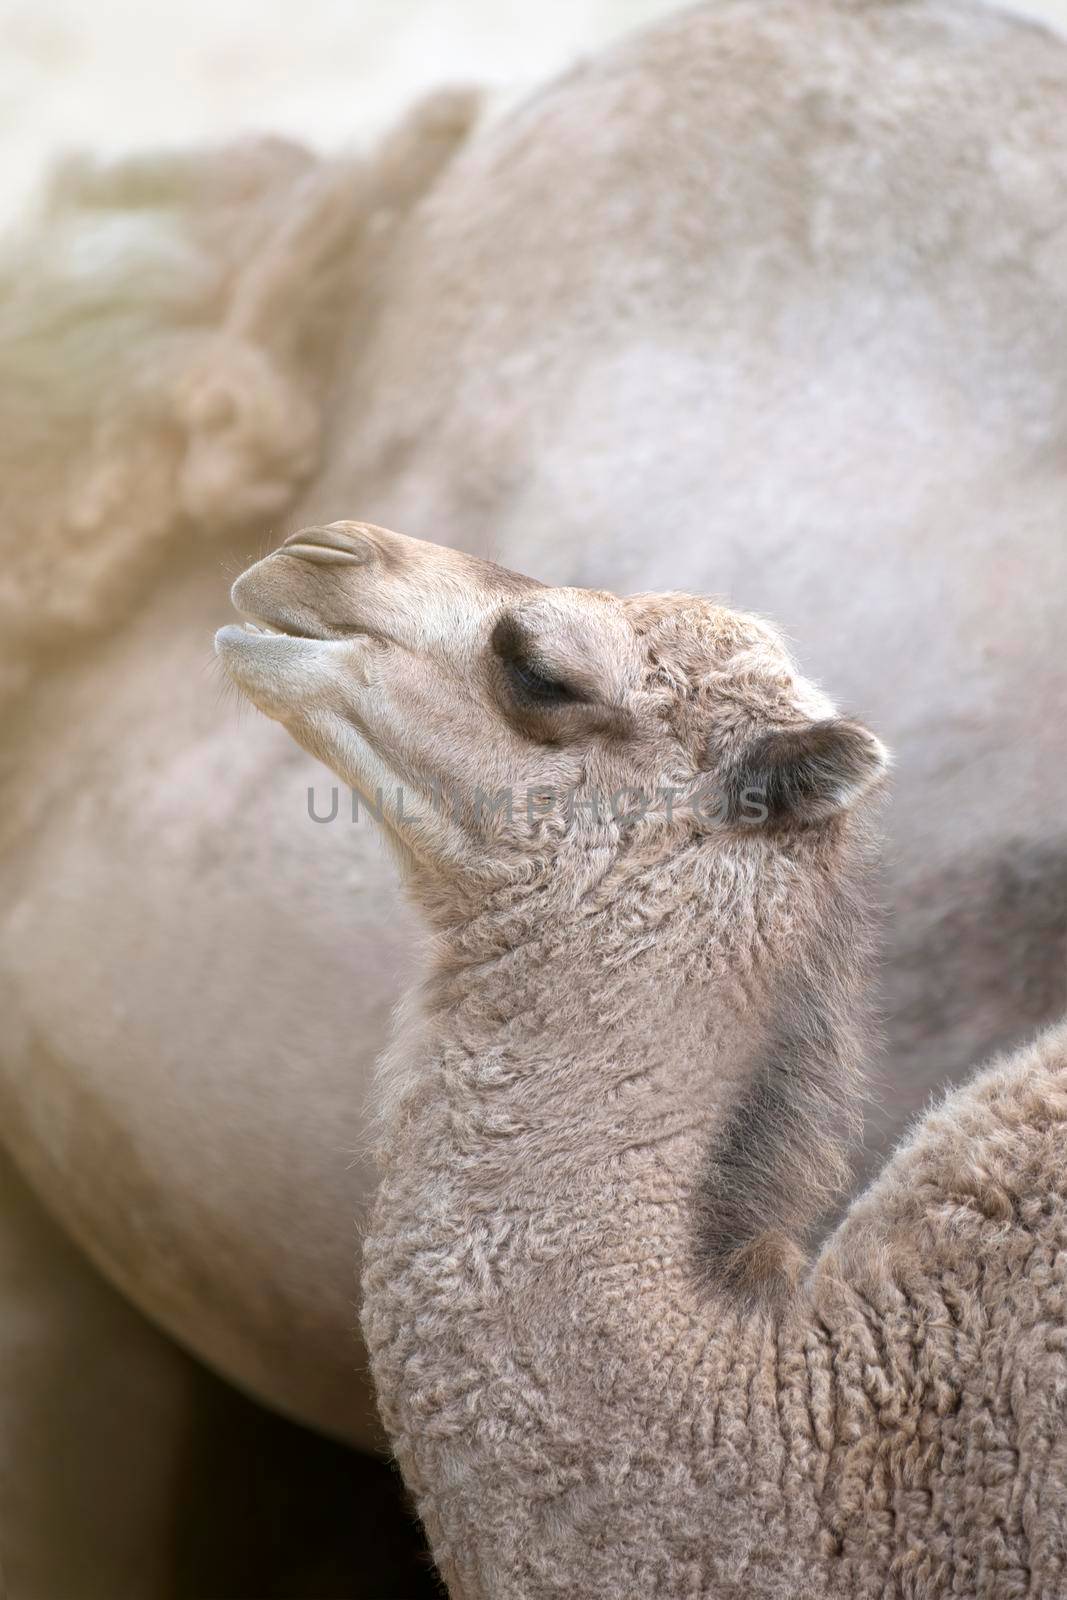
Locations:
338 543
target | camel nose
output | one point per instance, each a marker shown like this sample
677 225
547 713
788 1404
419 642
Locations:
337 543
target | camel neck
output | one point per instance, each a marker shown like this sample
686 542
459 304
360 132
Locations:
566 1223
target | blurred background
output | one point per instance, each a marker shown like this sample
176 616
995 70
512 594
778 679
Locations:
118 77
129 1468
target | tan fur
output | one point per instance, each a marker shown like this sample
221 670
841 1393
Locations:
584 1400
768 299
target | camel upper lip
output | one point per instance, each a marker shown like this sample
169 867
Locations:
291 607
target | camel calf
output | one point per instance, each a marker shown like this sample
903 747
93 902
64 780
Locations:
605 1360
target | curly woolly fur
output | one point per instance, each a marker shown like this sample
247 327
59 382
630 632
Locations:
895 1427
166 335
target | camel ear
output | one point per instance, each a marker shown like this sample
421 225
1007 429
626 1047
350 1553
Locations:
804 774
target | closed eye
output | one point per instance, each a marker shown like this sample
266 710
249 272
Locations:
533 687
529 685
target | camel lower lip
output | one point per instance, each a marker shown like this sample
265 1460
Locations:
239 635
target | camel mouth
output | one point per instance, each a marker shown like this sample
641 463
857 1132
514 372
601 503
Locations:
277 641
259 627
281 626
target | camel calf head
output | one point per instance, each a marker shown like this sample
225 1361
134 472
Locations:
513 718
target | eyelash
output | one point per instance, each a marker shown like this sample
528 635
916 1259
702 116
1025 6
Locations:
535 688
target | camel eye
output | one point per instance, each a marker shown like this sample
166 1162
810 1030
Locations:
530 686
535 687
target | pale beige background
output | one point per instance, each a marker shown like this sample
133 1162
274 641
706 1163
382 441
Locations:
115 75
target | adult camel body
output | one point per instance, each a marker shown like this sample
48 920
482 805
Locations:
769 301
